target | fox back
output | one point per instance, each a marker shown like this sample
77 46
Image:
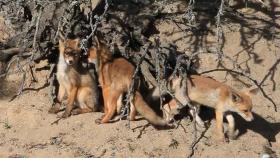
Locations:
117 71
207 91
115 77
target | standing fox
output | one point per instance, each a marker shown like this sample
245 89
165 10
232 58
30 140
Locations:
74 80
207 91
115 78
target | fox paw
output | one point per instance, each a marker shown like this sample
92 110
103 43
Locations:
233 135
171 125
98 121
53 110
201 126
221 139
76 111
65 115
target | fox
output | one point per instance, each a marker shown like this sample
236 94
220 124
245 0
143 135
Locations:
202 90
74 80
115 77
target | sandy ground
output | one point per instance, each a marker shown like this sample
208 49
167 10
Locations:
26 128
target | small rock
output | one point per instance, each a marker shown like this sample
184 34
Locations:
55 140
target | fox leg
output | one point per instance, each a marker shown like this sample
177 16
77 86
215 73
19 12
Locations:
89 97
70 102
195 113
170 109
182 97
112 105
133 111
84 100
166 112
106 96
219 126
119 104
61 93
232 134
105 92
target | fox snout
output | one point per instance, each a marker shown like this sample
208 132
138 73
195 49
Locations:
69 61
250 117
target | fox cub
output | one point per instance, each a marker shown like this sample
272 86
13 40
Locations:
115 78
74 80
201 90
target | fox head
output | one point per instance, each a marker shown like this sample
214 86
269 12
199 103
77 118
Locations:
92 55
99 53
70 50
241 103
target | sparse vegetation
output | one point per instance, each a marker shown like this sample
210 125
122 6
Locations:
236 42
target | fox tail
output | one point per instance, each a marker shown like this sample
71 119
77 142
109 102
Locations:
142 107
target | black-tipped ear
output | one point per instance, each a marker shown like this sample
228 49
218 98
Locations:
61 36
61 43
77 42
251 91
254 90
235 97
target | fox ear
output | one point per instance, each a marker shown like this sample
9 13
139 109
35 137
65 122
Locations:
235 97
61 36
76 42
252 90
97 42
61 43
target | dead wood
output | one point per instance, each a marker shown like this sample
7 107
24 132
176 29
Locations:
127 27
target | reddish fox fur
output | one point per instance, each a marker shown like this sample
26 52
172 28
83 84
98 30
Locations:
115 78
74 80
207 91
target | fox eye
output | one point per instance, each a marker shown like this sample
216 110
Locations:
236 97
246 110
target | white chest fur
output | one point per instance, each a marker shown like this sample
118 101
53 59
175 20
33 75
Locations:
61 70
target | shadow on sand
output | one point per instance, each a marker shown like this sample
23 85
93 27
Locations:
259 125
